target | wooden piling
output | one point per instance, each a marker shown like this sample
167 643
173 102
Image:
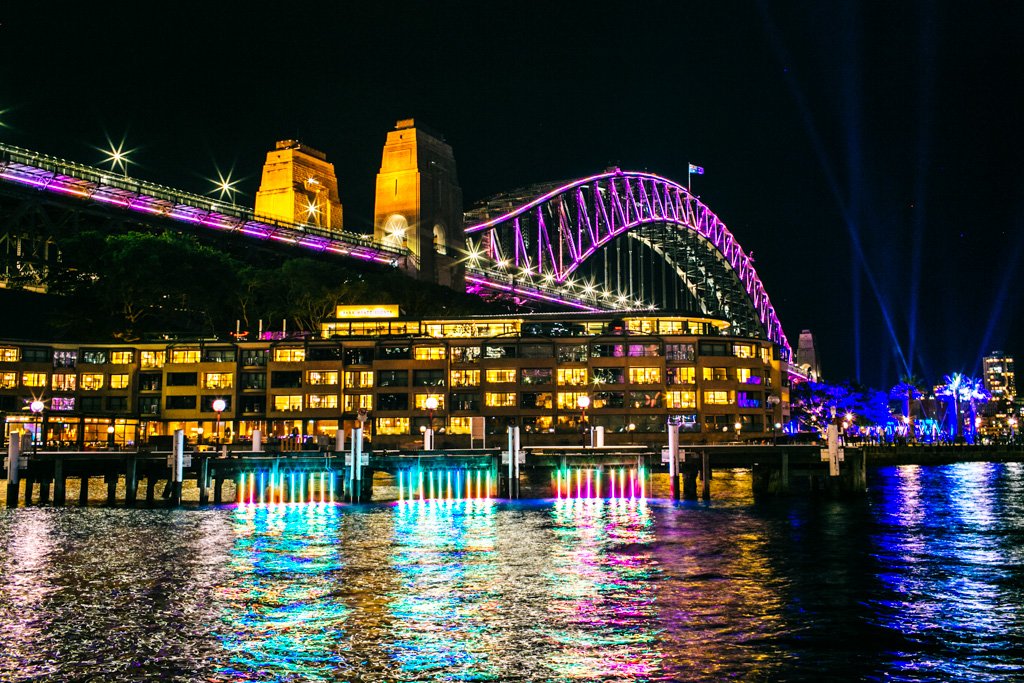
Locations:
705 475
203 481
150 488
29 483
44 490
218 490
131 481
83 492
111 480
690 470
784 473
60 482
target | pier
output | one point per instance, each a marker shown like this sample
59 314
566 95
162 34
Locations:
150 478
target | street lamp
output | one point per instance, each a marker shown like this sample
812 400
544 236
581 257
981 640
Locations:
110 437
219 405
775 433
738 426
1012 422
431 403
199 435
36 406
583 402
631 427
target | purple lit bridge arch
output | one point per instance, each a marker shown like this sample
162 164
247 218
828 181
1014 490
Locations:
618 240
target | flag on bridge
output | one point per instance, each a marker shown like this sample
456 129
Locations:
696 170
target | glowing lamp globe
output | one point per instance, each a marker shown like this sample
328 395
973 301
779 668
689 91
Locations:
36 406
219 405
431 403
583 402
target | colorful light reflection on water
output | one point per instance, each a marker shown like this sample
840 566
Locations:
921 581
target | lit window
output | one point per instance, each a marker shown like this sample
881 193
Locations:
91 381
500 399
34 379
714 374
218 380
122 357
62 382
569 400
392 425
681 399
62 403
501 376
716 398
574 377
119 381
419 401
459 425
361 379
686 375
428 353
465 378
10 354
645 375
744 350
290 355
151 359
184 355
9 380
322 377
288 402
354 402
321 401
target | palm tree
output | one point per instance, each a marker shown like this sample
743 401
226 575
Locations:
952 390
907 391
973 392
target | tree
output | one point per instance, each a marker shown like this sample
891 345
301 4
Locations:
906 392
973 392
952 391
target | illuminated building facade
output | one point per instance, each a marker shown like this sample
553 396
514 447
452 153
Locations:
637 371
1001 414
299 186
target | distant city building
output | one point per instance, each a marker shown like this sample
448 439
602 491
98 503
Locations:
1001 413
299 186
807 355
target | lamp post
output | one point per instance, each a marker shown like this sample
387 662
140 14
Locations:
219 405
1012 422
773 401
110 437
199 435
36 406
430 404
631 427
583 402
738 426
775 433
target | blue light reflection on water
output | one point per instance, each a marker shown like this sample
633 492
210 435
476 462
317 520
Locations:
949 545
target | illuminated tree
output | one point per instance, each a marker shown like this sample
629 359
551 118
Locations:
973 392
906 392
952 391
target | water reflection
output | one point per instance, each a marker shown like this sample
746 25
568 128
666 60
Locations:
283 619
600 580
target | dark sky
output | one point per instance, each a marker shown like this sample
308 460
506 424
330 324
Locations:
869 154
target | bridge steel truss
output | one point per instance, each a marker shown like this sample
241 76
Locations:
639 241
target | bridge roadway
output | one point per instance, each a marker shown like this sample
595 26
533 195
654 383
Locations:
776 469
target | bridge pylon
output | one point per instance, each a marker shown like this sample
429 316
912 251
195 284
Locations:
419 204
299 186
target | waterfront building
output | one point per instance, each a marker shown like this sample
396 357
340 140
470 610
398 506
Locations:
638 371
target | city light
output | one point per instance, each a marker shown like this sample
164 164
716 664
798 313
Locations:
117 156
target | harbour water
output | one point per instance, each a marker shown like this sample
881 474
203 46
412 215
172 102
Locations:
921 580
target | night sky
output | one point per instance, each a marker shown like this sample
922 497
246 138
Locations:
869 155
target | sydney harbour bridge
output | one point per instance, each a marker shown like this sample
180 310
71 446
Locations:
616 240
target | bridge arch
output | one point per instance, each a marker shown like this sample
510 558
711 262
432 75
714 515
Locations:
619 239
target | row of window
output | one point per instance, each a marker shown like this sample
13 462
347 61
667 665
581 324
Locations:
86 381
566 353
